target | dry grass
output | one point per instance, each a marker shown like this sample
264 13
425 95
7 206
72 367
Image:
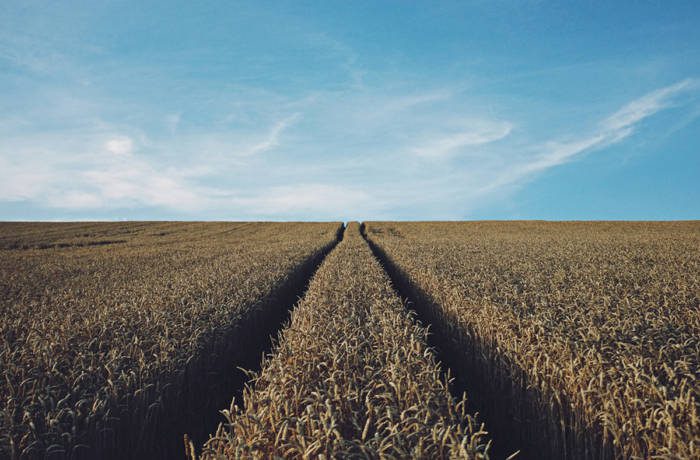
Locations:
583 339
108 330
352 376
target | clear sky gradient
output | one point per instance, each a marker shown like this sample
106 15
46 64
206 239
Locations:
349 110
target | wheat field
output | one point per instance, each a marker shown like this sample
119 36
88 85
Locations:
474 340
581 340
115 337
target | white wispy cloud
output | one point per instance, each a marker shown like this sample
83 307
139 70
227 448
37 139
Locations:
401 103
646 106
120 145
321 200
138 183
272 138
609 131
23 181
96 182
478 134
349 160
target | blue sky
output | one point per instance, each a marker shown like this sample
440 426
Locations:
349 110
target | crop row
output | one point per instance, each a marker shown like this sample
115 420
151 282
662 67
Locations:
579 340
351 376
117 338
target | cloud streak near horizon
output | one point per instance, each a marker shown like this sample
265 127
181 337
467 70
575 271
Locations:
120 173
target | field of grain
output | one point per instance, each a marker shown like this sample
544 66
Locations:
352 376
113 337
473 340
577 340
